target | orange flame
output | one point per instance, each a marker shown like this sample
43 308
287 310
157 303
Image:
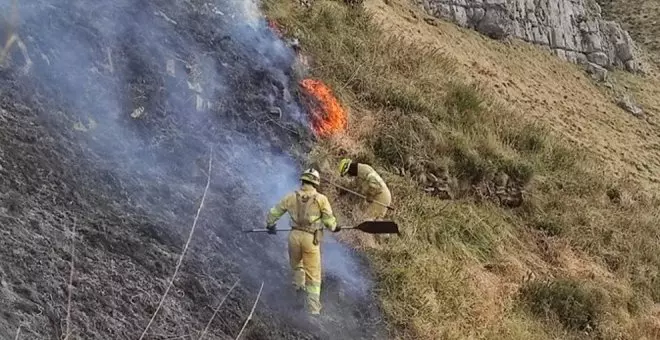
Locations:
275 27
328 117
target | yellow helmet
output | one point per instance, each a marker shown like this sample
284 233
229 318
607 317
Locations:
311 176
344 164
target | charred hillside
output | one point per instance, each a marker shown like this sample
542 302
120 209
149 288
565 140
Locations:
110 113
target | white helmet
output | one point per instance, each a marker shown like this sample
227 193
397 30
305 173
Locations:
312 176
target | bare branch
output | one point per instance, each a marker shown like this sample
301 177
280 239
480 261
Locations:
251 312
217 309
68 305
18 331
185 248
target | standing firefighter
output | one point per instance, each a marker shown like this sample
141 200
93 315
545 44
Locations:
309 211
371 185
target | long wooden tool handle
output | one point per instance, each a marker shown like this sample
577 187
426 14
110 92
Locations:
262 230
358 194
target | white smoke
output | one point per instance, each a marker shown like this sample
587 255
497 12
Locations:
132 76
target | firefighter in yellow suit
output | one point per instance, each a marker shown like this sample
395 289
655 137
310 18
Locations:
309 211
371 185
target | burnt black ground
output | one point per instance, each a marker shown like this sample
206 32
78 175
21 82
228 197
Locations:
70 154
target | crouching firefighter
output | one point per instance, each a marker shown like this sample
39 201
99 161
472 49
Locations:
371 185
309 211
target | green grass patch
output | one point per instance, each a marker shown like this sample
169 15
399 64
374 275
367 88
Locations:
531 138
549 225
572 304
464 105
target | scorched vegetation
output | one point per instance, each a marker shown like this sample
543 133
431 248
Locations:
138 139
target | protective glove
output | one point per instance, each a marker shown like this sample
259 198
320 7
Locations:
337 229
271 229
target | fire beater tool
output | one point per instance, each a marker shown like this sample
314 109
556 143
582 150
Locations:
357 194
370 227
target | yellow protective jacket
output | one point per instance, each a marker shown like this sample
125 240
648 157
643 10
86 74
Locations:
372 185
308 209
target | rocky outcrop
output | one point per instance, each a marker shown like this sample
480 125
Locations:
573 29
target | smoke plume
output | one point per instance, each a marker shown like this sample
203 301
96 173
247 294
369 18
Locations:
148 87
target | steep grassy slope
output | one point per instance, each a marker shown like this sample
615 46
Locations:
578 259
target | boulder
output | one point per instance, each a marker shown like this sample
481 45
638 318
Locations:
632 66
597 72
599 58
495 24
628 103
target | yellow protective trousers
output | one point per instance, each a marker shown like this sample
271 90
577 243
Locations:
305 260
373 210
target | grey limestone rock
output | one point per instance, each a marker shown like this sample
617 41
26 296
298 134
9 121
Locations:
597 72
573 29
628 103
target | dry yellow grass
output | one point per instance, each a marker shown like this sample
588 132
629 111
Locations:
579 259
539 86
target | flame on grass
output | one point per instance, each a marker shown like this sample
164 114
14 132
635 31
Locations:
275 27
328 117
